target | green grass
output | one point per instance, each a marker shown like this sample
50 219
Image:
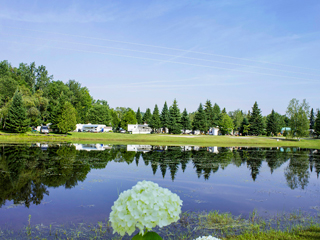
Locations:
312 232
161 139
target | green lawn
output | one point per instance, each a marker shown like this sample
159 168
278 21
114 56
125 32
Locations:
161 139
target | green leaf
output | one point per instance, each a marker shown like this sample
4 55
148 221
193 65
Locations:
147 236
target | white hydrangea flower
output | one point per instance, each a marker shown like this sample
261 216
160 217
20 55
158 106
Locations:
207 238
144 206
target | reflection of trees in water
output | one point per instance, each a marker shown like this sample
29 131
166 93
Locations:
27 172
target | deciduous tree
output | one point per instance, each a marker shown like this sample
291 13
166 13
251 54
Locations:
67 120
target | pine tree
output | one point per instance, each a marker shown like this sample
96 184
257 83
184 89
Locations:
311 119
138 116
200 121
272 123
165 116
185 121
317 124
67 120
208 109
256 124
17 116
155 122
147 116
216 115
175 118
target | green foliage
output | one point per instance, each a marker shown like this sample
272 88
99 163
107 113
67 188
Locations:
99 114
312 120
272 123
67 120
147 116
155 121
244 127
298 115
17 117
210 115
200 120
8 86
226 124
147 236
185 120
175 118
255 120
138 116
237 118
115 120
317 124
128 118
216 115
165 116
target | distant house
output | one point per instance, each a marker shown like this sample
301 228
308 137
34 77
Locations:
139 128
214 131
92 128
196 132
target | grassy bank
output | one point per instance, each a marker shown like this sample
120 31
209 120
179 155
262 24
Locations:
161 139
190 226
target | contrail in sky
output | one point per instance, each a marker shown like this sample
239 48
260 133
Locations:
163 54
161 47
182 63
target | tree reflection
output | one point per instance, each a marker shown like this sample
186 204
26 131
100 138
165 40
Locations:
26 172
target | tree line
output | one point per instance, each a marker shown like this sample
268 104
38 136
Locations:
30 97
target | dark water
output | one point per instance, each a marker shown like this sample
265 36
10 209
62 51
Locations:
79 183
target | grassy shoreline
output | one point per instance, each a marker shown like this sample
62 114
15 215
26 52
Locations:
160 139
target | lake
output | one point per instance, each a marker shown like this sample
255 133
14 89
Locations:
76 183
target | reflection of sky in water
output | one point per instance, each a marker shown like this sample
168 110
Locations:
229 190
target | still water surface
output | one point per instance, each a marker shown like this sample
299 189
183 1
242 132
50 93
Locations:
59 184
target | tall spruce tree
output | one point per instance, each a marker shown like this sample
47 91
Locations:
185 121
208 109
271 123
216 114
139 116
317 125
147 116
311 119
155 122
200 120
165 117
175 118
17 116
256 123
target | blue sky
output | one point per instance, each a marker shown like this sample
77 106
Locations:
141 53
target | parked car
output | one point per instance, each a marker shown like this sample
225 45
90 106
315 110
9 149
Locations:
44 129
122 131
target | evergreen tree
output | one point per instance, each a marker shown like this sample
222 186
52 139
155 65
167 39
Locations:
165 116
155 122
147 116
224 111
67 120
216 115
138 116
185 121
311 119
244 126
317 124
272 123
175 118
208 109
57 111
16 120
256 123
200 121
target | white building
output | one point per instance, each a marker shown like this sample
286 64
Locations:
214 131
139 129
92 128
91 147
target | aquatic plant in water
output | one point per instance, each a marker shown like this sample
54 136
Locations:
144 206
